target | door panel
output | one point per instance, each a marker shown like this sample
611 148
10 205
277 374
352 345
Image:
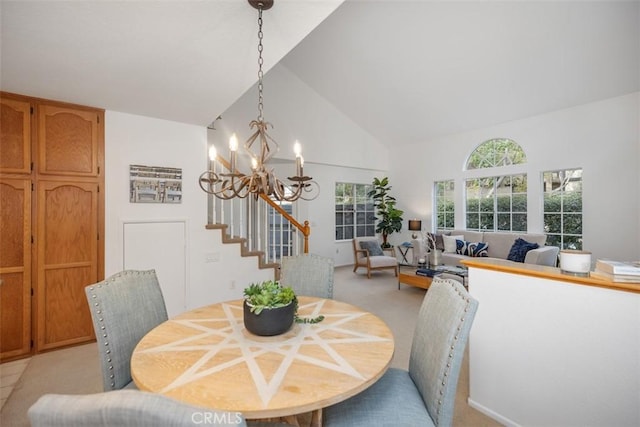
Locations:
66 312
15 268
67 141
15 136
67 261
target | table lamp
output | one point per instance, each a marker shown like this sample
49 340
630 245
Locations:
415 225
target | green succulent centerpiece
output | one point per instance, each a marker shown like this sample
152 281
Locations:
271 308
268 294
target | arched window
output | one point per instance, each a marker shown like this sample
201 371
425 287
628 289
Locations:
497 202
496 152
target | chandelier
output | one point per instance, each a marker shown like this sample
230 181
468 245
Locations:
260 147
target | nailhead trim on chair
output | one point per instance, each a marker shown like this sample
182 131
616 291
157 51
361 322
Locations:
101 320
455 338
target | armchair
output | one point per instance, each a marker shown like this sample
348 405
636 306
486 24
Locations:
368 253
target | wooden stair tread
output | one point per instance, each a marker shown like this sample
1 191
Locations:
244 252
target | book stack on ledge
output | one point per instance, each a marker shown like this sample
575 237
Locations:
616 271
427 272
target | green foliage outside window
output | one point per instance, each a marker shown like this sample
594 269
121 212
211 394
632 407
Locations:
445 205
497 203
563 219
354 211
563 208
496 152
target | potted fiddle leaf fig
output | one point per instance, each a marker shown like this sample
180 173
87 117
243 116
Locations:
389 217
269 308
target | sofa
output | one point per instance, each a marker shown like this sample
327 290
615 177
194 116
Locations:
498 245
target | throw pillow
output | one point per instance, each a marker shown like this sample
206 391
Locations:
518 251
373 247
472 249
436 237
450 243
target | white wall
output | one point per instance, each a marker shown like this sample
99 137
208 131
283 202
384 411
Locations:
131 139
600 137
544 352
298 113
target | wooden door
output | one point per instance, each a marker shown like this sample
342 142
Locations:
67 261
70 217
15 268
15 236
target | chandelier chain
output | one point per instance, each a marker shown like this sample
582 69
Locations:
260 62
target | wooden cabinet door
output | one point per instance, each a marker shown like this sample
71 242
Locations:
15 268
67 261
15 136
68 141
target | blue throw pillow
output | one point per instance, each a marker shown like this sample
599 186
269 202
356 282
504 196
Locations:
519 250
373 247
479 249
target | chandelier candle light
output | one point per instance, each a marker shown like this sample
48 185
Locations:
261 180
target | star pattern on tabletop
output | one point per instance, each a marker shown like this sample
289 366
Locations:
232 336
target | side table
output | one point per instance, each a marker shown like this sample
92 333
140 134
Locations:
404 250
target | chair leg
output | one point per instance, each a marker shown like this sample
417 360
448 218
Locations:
368 273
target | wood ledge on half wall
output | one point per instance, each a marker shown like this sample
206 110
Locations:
546 272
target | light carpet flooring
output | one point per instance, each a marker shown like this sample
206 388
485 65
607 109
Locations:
76 370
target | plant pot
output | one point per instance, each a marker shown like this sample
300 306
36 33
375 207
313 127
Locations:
270 321
435 257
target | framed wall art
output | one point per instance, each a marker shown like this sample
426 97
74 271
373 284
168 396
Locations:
155 184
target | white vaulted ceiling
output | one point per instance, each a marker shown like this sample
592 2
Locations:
185 61
406 71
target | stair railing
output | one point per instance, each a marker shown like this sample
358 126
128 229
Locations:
266 226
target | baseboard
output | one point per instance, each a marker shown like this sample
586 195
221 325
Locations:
491 414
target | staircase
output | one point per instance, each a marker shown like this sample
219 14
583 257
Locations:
264 228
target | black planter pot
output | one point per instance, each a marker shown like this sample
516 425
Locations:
270 321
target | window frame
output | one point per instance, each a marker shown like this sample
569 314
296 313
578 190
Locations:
496 215
559 237
496 155
444 193
360 219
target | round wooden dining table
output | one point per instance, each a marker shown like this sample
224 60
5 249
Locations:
206 357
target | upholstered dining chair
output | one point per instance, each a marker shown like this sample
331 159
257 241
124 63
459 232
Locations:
123 308
425 394
124 408
368 253
308 274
